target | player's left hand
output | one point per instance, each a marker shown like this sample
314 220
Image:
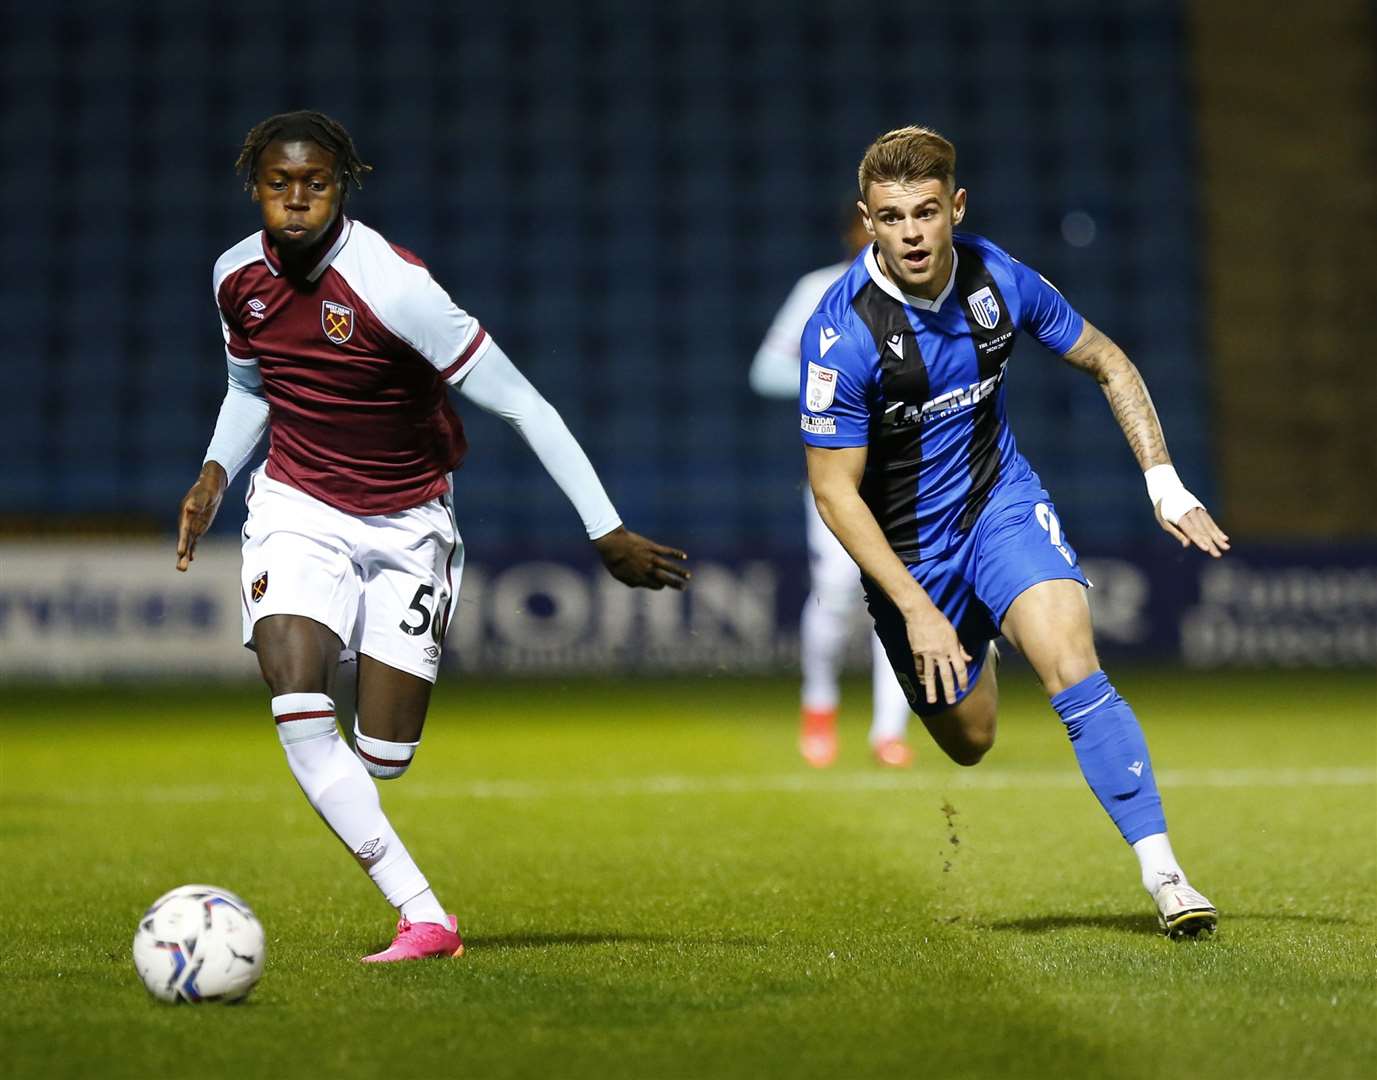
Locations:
638 561
1198 528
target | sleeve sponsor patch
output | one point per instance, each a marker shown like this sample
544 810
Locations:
817 425
821 387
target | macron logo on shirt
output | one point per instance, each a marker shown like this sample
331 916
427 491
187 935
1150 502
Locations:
827 337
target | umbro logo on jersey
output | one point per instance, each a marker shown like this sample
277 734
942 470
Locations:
256 307
337 321
1136 768
984 307
896 345
827 337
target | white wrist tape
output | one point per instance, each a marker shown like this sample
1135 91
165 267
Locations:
1166 490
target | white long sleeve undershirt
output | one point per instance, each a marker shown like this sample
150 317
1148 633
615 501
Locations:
775 370
242 421
496 386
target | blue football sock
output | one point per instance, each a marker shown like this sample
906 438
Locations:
1112 754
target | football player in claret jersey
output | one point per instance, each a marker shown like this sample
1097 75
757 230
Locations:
834 586
914 468
342 348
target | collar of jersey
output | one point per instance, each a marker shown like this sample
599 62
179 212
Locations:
342 228
878 277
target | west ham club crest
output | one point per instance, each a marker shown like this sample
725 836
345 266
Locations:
259 586
337 321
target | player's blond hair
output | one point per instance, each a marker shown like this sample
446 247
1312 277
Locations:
907 155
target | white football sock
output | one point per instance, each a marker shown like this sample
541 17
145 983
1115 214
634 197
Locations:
1157 862
384 760
889 719
424 908
344 795
823 631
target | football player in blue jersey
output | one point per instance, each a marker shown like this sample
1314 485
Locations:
914 468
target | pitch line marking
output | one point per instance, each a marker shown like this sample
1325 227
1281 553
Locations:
747 783
991 780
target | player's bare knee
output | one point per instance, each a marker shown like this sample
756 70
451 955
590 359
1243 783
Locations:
972 747
383 758
283 676
295 656
979 722
966 738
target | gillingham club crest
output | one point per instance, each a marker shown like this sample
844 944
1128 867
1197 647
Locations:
984 307
337 321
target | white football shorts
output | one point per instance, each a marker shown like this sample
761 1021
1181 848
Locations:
387 584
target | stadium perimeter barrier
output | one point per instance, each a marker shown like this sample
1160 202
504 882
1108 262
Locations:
78 610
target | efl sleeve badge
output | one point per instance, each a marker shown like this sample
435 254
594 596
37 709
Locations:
821 387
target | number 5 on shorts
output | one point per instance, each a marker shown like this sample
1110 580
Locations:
434 623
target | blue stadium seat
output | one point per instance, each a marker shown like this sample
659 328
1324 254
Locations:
686 162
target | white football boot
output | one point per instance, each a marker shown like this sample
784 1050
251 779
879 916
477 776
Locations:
1183 912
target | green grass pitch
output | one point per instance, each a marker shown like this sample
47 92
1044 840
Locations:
652 884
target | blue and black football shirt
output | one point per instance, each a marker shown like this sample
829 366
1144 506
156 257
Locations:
921 384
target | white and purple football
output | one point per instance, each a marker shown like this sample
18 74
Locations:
198 944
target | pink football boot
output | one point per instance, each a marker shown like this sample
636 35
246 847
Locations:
416 941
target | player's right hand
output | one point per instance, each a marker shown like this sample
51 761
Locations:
938 655
198 510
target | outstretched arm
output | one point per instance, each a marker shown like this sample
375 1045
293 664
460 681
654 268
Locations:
1178 511
496 386
835 476
243 419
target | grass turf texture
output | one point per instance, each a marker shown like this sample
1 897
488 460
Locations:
650 883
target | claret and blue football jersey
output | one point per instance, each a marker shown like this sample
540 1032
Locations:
921 384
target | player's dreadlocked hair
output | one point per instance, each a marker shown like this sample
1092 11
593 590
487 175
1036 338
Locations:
311 126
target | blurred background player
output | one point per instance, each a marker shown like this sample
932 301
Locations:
914 467
342 347
834 594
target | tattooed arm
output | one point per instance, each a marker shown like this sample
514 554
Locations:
1128 398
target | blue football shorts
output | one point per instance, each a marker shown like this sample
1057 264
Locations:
1016 542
